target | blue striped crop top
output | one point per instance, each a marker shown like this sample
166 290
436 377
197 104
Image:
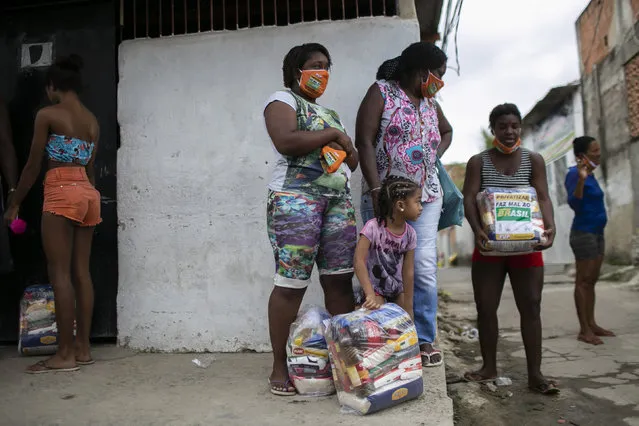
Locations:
65 149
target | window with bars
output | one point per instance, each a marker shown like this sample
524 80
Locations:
159 18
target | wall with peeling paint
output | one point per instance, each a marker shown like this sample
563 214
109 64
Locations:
195 263
552 137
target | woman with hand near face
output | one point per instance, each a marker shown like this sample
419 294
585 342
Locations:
586 198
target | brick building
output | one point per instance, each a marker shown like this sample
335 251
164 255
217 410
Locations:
608 40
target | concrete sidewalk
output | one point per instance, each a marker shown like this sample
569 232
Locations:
125 388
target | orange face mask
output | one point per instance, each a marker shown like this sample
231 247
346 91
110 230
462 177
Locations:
313 82
431 86
504 149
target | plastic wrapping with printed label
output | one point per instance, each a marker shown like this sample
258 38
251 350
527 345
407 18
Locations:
512 220
309 367
375 359
38 330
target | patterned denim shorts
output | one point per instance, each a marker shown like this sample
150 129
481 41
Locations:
305 230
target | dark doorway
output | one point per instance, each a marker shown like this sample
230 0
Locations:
32 34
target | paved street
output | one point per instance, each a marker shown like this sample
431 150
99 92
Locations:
600 384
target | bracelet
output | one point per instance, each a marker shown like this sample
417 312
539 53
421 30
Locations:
379 188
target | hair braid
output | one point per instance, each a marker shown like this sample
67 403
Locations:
394 188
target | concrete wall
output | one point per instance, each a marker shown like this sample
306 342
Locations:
196 268
464 242
606 116
561 126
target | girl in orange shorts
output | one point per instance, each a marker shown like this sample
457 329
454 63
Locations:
67 133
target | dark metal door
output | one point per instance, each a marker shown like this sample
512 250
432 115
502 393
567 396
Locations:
30 38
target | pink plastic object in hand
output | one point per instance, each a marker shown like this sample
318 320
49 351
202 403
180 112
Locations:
18 226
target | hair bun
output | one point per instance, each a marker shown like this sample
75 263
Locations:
388 69
72 63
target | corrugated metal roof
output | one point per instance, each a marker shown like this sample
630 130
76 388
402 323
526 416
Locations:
555 97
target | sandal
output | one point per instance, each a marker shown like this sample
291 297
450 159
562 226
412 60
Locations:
427 358
89 362
278 385
546 388
41 368
472 377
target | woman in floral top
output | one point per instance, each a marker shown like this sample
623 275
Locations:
400 131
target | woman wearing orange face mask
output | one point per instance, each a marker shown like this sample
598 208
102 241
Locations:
401 131
310 216
507 165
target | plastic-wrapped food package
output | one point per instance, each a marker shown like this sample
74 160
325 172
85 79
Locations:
511 219
375 359
38 330
309 367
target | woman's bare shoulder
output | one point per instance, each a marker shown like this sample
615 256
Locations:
94 126
50 111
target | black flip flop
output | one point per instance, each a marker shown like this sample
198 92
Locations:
426 356
282 384
546 388
467 378
44 368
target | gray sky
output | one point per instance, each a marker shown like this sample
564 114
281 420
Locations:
509 51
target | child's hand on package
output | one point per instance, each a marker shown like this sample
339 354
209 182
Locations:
373 302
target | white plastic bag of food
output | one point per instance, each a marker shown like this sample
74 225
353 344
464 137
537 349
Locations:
375 359
511 219
309 367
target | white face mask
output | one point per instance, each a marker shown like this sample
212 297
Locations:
592 165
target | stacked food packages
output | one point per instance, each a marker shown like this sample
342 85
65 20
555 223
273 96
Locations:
307 354
38 330
511 219
375 358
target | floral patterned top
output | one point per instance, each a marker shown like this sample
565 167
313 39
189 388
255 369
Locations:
307 174
65 149
407 140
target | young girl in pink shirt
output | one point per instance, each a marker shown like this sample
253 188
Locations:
385 253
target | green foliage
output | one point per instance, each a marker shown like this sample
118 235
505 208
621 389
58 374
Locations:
487 138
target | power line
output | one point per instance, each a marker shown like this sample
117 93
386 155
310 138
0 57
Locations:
453 14
446 21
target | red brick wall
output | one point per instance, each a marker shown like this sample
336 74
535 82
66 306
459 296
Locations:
592 41
632 83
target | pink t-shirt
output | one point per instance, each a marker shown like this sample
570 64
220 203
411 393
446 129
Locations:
386 256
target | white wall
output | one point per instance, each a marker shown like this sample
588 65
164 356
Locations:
195 263
548 133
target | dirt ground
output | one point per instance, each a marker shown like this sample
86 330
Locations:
599 385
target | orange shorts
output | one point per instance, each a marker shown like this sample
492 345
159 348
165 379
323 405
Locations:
68 193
